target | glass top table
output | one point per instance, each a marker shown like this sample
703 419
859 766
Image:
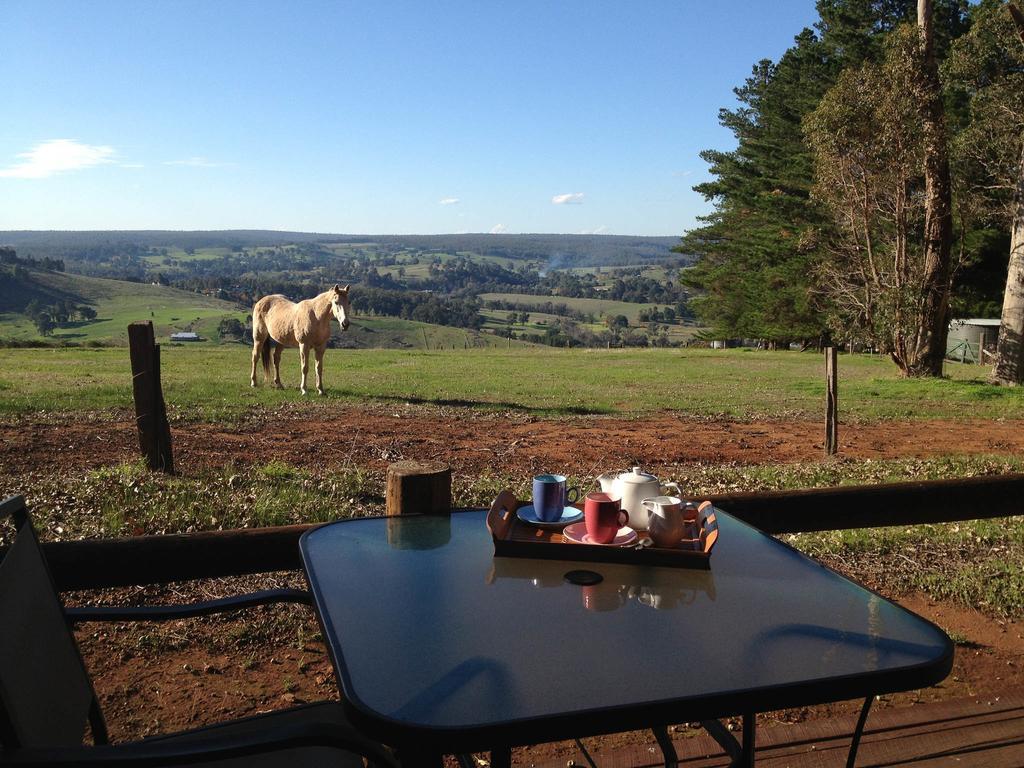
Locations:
437 643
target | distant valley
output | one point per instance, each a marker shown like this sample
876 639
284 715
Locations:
412 291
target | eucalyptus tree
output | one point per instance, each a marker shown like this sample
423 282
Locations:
879 141
866 136
987 66
938 201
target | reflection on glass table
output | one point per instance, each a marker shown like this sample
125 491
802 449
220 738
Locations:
441 647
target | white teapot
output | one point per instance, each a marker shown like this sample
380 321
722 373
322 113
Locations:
632 488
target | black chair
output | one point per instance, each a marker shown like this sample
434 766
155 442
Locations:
47 698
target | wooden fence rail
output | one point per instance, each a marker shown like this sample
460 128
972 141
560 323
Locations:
97 563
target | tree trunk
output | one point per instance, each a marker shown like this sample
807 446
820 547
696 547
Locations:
938 217
1009 368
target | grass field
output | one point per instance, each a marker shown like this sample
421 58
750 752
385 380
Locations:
177 254
118 303
597 307
396 333
208 383
496 319
405 270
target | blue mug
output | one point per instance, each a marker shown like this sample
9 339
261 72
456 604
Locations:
550 497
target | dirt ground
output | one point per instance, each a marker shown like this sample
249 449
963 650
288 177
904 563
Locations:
471 442
154 679
174 677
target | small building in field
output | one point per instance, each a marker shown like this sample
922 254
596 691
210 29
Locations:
185 336
968 337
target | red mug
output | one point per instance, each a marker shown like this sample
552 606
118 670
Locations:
604 516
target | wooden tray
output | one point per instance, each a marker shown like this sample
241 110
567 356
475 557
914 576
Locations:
514 538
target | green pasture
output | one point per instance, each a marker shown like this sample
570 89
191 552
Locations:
396 333
597 307
539 322
497 319
421 271
118 303
212 382
607 275
178 254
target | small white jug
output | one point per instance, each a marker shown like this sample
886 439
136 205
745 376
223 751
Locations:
671 520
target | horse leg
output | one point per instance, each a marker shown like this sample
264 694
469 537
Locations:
277 367
256 349
304 362
319 352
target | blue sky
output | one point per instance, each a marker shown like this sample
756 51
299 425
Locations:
372 117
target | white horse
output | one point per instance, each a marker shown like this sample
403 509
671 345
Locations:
278 323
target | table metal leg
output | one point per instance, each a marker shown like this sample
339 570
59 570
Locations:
746 759
859 731
668 749
725 739
740 755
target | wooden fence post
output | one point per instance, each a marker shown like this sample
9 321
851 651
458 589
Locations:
150 412
831 402
423 487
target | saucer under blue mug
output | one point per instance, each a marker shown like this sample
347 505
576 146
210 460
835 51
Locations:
529 515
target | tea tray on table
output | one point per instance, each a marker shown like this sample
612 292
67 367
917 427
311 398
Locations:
514 538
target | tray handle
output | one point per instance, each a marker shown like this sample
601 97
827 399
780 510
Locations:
708 526
502 515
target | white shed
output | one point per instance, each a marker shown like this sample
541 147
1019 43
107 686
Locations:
968 335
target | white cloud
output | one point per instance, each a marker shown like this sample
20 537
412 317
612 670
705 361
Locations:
571 198
56 156
132 165
448 201
194 162
598 231
682 174
497 229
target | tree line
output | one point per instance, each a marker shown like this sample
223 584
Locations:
423 307
10 257
876 183
47 317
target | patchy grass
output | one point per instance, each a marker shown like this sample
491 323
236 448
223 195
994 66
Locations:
974 563
127 500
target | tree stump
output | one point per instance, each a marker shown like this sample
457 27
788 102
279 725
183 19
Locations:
419 487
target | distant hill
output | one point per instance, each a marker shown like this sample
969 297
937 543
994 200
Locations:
116 302
559 251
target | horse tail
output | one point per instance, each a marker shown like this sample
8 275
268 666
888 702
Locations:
268 345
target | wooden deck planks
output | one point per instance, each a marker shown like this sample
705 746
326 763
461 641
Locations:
982 733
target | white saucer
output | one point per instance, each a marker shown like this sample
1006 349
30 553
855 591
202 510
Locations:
529 515
578 533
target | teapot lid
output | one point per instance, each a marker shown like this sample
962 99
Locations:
636 476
